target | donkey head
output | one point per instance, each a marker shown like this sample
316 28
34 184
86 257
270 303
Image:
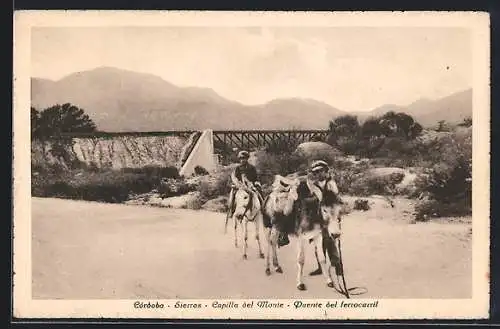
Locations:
242 199
330 207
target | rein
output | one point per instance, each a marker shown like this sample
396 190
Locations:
249 204
247 208
347 292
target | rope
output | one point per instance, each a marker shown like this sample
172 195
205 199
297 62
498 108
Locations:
247 207
347 292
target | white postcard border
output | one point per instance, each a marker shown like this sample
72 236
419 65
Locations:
476 307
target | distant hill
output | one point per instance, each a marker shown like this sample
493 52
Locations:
121 100
453 109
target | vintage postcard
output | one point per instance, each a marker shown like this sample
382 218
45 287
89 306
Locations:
251 165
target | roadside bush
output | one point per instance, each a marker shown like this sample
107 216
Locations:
361 204
347 145
346 174
174 187
427 209
366 185
448 182
216 185
200 171
47 168
154 171
269 164
106 186
280 147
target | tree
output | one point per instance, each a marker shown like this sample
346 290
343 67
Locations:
344 133
442 126
35 120
466 123
415 130
345 125
371 128
399 125
59 119
52 122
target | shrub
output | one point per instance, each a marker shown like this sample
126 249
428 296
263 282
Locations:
448 182
106 186
215 185
365 185
280 146
427 209
154 171
200 171
347 145
174 187
269 164
361 204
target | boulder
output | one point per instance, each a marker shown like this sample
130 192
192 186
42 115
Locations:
145 198
384 171
186 201
314 150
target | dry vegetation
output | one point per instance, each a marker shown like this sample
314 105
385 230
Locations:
433 168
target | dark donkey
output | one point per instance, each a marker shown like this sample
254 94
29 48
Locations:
313 220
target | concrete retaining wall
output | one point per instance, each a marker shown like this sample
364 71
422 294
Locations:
202 155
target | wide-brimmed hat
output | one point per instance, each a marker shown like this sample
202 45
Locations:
243 155
318 165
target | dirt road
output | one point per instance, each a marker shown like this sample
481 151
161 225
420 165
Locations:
86 250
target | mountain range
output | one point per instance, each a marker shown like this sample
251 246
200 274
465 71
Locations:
121 100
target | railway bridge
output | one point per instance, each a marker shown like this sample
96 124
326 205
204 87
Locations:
222 144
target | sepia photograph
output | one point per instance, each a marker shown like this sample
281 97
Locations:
251 166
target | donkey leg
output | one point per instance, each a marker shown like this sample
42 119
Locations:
235 232
325 268
245 239
274 244
318 270
300 264
268 250
257 237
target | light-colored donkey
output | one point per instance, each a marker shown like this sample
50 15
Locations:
247 209
277 211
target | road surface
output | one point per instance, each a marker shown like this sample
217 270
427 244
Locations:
89 250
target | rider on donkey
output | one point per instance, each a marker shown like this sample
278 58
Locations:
250 172
318 181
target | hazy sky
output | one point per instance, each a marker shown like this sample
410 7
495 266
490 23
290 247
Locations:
353 69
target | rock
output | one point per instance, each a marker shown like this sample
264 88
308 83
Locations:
145 198
185 201
194 180
218 204
317 150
